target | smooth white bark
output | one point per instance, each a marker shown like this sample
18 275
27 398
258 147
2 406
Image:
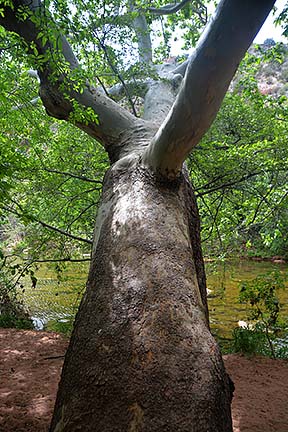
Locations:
209 73
142 34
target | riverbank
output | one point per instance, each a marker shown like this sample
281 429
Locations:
276 259
30 367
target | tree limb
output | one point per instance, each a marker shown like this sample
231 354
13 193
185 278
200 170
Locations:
64 173
284 196
213 217
60 231
142 32
112 119
209 73
226 185
81 214
114 69
73 260
45 225
263 198
172 8
168 9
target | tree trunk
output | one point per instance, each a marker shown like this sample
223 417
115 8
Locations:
141 357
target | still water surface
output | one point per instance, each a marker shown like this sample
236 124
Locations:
54 302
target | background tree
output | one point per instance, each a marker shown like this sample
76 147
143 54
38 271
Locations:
141 345
239 169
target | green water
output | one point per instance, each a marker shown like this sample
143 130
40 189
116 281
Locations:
56 296
53 303
224 280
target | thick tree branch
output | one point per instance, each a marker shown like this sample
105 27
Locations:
56 86
181 68
168 9
158 100
209 73
200 9
142 32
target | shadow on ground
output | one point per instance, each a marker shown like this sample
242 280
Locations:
29 380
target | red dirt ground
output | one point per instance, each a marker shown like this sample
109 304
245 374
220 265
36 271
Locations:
28 385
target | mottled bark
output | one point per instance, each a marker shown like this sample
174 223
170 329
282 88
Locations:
141 356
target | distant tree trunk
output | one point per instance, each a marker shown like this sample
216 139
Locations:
141 356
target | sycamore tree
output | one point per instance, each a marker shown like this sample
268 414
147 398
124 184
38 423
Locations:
141 356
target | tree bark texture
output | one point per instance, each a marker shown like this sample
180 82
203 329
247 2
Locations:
142 357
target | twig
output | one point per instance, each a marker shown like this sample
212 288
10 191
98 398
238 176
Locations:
64 173
45 225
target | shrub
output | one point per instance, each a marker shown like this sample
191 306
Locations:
261 294
249 341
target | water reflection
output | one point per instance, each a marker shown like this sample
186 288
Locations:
224 280
53 303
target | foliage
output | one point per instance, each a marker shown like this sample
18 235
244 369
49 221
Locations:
188 23
15 320
249 341
239 171
282 19
61 326
12 311
253 341
51 174
261 294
